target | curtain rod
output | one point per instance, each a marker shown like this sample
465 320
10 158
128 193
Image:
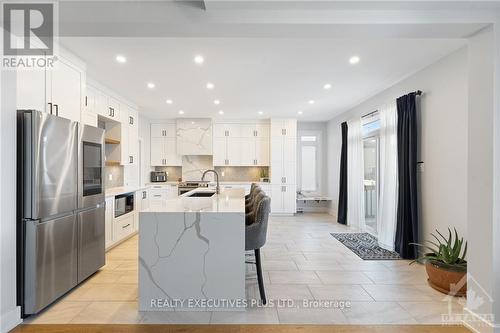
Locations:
418 93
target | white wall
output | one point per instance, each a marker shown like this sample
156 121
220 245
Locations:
321 127
443 141
480 172
9 312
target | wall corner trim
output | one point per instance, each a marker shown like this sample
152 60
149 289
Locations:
10 319
476 323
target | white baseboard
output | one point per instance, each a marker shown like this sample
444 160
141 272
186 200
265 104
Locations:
477 323
10 319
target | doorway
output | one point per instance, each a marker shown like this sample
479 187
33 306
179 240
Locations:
371 126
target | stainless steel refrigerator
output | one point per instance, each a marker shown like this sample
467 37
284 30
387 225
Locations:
60 196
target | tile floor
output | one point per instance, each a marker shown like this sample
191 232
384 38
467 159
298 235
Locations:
301 260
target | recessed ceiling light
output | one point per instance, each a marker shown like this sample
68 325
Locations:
151 85
260 112
216 102
300 112
354 60
121 59
199 59
169 101
181 112
210 85
221 112
327 86
311 101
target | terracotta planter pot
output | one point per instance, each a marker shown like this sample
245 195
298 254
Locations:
442 280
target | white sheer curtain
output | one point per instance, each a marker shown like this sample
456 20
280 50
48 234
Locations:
355 175
387 203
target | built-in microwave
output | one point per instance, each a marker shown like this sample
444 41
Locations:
124 203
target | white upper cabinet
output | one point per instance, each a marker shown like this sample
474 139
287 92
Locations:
130 120
219 147
241 144
227 130
57 90
64 91
164 145
30 92
163 130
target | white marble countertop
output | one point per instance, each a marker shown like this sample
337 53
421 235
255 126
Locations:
170 182
112 191
228 201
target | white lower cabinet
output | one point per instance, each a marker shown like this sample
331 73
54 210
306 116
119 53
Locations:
159 193
141 202
283 199
109 217
123 226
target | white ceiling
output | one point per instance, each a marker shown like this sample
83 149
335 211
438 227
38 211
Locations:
275 75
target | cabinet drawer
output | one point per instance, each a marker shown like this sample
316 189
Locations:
158 194
123 227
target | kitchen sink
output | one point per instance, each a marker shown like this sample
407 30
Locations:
201 194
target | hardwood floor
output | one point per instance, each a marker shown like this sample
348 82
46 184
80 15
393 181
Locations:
237 329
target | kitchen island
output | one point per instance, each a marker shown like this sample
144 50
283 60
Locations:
192 253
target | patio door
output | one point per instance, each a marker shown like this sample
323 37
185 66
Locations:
371 168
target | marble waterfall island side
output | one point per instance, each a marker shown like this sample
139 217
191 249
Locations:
192 253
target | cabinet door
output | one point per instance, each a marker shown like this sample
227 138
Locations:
277 128
219 151
289 199
163 130
220 130
262 131
30 92
114 107
226 130
157 130
157 151
171 153
247 151
262 151
248 130
233 151
289 150
276 198
89 102
65 92
145 199
290 127
172 192
133 133
124 144
108 221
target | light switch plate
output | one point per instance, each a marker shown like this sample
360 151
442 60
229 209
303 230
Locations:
420 167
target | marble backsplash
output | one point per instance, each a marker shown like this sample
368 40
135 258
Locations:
193 167
173 172
194 136
231 174
116 173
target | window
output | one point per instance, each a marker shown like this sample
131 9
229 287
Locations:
309 158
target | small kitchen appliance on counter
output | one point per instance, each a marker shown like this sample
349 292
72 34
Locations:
158 176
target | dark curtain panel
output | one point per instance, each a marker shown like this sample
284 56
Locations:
342 207
407 215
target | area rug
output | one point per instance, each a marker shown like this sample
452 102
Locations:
365 246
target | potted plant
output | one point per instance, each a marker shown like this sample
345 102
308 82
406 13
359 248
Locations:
445 263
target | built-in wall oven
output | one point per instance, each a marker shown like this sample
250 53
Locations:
124 203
